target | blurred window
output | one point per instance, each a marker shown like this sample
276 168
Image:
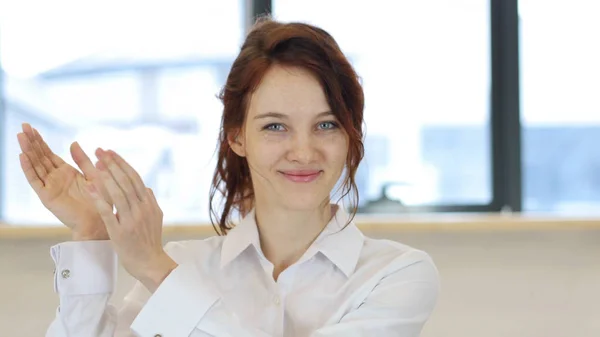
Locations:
140 77
560 90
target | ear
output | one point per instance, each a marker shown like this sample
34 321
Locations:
236 142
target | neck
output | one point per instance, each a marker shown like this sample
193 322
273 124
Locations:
286 234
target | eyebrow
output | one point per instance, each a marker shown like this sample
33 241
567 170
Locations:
284 116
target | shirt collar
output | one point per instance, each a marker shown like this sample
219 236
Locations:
341 241
239 238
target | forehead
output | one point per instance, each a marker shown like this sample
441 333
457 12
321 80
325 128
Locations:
288 90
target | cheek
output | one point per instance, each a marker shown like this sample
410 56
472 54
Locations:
336 148
263 151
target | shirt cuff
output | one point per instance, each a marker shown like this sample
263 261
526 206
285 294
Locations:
178 305
84 267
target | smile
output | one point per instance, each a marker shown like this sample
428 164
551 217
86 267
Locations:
301 176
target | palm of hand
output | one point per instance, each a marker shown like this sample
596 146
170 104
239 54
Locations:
65 195
60 187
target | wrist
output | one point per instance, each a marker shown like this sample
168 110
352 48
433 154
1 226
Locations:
97 234
87 237
153 276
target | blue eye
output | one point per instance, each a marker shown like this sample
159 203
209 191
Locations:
273 127
327 125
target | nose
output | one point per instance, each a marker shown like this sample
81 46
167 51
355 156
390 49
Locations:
302 149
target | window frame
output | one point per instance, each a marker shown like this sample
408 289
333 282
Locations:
505 125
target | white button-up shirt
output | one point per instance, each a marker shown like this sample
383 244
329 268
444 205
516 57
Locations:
344 285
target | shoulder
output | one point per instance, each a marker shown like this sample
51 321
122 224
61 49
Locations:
399 280
395 258
182 251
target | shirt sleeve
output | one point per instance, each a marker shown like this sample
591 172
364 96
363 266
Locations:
186 304
398 306
184 287
84 278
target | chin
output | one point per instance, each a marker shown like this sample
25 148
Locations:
304 201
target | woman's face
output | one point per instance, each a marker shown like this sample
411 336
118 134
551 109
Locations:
294 145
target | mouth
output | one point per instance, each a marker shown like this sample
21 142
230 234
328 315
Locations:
301 176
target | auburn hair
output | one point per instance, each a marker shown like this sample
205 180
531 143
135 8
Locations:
287 44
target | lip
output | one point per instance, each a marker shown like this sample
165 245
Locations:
301 176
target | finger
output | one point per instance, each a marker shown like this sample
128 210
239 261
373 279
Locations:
153 201
94 177
55 159
83 161
27 149
105 210
115 193
46 162
90 171
120 177
36 183
131 173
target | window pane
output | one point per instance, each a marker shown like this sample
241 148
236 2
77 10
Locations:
560 76
425 67
139 77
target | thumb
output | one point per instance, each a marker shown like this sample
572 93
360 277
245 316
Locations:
83 161
89 170
97 181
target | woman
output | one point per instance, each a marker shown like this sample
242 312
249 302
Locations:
295 265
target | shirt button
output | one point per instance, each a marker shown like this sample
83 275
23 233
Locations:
276 300
158 335
66 273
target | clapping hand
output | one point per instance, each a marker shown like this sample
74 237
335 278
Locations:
136 229
83 201
61 187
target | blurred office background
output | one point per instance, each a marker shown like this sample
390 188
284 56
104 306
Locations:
472 107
